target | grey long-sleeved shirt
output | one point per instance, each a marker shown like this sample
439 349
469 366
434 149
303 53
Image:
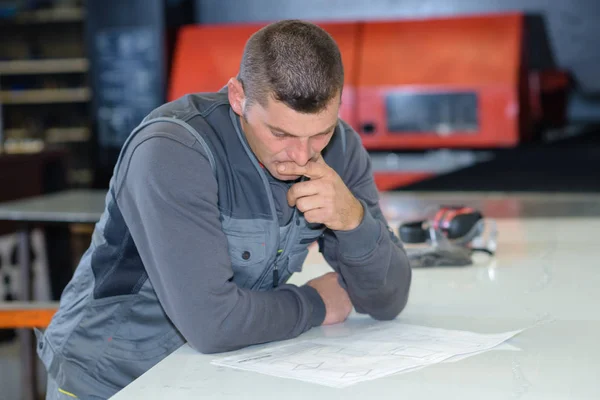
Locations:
168 199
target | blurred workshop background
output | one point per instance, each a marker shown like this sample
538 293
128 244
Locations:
447 95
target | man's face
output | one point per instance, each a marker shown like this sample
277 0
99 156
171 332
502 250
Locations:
277 133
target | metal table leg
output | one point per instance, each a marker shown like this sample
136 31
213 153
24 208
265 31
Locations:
26 337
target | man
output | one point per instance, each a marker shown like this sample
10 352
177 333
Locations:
213 203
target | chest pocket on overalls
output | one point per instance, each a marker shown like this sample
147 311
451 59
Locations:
248 253
308 234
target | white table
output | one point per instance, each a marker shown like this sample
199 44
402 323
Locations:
546 276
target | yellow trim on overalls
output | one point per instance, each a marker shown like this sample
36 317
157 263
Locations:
67 393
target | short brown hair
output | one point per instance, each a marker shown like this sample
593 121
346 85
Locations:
295 62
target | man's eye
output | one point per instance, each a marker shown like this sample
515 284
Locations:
278 135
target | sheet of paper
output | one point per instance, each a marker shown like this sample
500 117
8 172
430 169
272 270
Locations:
503 346
379 351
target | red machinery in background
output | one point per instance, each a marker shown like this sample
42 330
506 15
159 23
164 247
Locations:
444 83
460 82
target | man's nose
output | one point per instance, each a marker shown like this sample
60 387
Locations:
302 152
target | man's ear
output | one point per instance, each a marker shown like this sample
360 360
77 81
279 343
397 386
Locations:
236 96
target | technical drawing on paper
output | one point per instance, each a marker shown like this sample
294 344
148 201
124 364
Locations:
364 355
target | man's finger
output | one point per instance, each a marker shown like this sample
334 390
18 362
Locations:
301 189
309 203
311 170
315 216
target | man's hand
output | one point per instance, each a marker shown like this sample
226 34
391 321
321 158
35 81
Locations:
324 199
337 303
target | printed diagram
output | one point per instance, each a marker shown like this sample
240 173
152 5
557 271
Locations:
363 355
340 351
329 361
357 374
308 366
413 352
